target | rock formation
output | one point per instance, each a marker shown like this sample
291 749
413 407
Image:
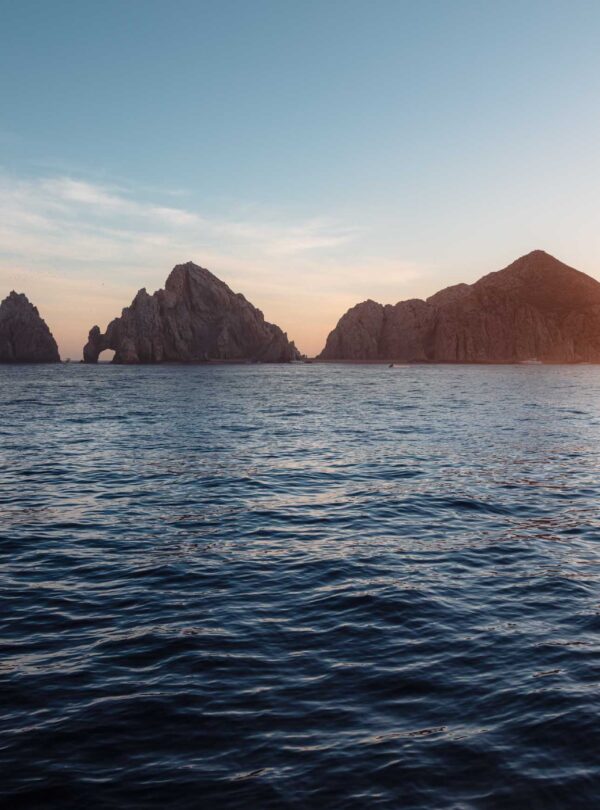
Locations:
536 308
195 318
24 335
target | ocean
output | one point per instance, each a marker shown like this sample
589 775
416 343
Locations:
300 586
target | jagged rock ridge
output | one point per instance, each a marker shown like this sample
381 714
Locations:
536 307
195 318
24 335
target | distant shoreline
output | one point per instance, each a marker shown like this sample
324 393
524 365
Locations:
379 362
308 362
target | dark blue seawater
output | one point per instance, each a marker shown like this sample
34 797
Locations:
300 587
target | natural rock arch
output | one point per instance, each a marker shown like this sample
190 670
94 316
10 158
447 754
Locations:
195 318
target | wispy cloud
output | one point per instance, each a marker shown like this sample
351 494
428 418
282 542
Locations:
81 250
81 210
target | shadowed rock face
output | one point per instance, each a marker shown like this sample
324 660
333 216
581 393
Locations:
24 335
537 307
195 318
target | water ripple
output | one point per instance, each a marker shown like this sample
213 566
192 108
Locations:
299 587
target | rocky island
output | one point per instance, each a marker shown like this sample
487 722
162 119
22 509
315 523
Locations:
24 335
536 308
196 318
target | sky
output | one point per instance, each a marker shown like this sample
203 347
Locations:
310 154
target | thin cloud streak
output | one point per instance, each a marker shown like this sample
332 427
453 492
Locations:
53 203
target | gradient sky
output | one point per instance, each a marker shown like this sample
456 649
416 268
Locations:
311 154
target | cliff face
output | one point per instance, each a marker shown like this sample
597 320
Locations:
24 335
195 318
537 307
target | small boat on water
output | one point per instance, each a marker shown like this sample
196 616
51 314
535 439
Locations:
533 362
398 365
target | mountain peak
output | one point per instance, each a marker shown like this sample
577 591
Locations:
535 260
538 254
544 281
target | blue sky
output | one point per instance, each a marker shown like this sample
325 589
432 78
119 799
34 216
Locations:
312 154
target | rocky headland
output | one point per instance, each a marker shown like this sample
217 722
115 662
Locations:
536 308
196 318
24 335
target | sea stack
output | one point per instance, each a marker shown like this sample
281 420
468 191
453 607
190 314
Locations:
24 335
536 308
195 318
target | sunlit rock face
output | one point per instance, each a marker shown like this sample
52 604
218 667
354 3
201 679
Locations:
536 308
194 319
24 335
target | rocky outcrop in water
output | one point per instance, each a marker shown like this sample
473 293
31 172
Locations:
24 335
536 307
195 318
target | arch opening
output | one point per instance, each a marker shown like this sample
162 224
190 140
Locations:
106 356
